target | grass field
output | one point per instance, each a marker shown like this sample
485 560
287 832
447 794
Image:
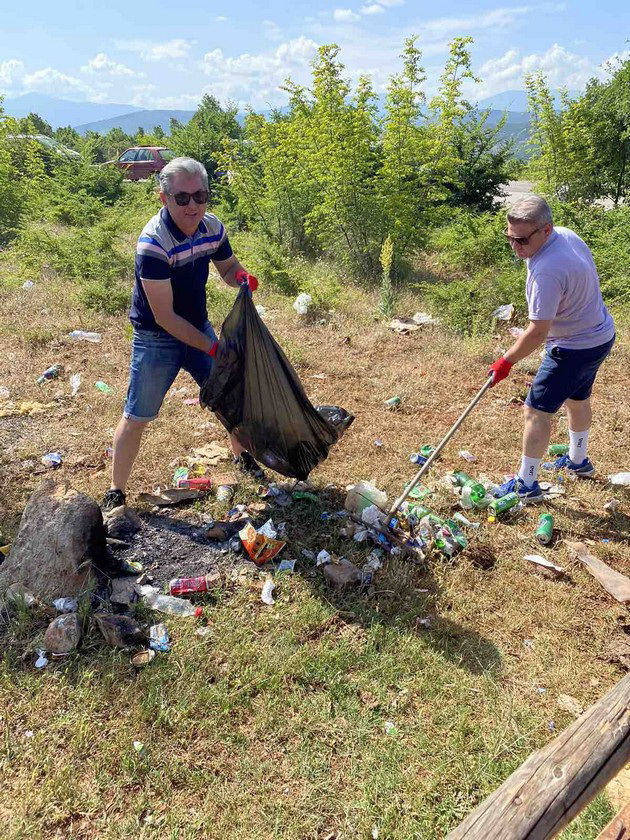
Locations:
273 725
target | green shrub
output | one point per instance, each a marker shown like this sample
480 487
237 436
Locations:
85 257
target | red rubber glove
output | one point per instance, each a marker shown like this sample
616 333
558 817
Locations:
245 279
499 370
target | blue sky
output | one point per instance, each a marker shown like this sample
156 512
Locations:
159 54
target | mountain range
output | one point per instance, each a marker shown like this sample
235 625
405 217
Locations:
102 117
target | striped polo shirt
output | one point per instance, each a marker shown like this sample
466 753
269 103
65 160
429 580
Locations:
166 255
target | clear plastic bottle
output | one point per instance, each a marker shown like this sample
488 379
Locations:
172 606
80 335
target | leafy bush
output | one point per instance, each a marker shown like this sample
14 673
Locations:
78 192
87 258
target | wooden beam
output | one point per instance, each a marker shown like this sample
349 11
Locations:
614 583
557 782
619 827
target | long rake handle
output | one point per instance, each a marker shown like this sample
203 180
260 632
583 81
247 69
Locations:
435 454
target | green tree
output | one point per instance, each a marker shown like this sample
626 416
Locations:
203 136
34 124
402 175
68 136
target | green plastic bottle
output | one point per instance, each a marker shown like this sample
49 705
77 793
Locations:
473 492
498 506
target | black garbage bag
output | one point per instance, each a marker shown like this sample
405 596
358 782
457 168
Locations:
258 397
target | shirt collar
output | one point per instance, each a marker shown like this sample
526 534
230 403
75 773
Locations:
174 230
552 238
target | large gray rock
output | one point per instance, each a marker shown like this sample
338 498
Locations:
60 536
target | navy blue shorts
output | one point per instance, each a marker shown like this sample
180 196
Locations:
566 375
156 359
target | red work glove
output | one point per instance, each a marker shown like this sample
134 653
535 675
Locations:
245 279
499 370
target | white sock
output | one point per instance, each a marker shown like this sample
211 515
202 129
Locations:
578 445
528 472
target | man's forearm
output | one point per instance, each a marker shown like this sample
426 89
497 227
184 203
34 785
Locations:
183 330
230 275
524 345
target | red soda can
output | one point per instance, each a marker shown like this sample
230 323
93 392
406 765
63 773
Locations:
188 586
203 483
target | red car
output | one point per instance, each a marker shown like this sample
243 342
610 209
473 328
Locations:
143 161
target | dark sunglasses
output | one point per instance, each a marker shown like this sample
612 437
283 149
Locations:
520 240
183 198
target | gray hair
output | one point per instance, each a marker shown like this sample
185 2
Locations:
181 166
531 208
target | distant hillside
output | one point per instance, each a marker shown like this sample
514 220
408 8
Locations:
62 112
130 123
516 100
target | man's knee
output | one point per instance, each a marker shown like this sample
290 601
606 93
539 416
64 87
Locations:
130 426
533 415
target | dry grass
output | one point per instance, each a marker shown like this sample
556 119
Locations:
273 727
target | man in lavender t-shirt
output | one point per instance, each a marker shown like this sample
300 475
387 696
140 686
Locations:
568 314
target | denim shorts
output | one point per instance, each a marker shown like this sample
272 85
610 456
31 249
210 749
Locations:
566 374
156 359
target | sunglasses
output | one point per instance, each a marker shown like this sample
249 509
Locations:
182 199
520 240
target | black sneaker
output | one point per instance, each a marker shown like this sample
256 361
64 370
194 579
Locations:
113 499
245 463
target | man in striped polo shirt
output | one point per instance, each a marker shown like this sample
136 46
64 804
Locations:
171 330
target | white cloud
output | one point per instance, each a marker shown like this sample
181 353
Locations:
392 2
560 67
495 19
255 78
54 83
345 16
161 51
271 30
373 9
220 19
11 73
102 64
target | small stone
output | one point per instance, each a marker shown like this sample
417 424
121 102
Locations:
63 633
123 591
122 522
119 630
343 574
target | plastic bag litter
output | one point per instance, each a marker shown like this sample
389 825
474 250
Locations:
66 605
302 303
267 592
620 479
258 397
75 384
504 313
323 557
372 515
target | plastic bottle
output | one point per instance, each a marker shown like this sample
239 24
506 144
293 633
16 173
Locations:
544 531
172 606
498 506
188 586
80 335
473 492
50 373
